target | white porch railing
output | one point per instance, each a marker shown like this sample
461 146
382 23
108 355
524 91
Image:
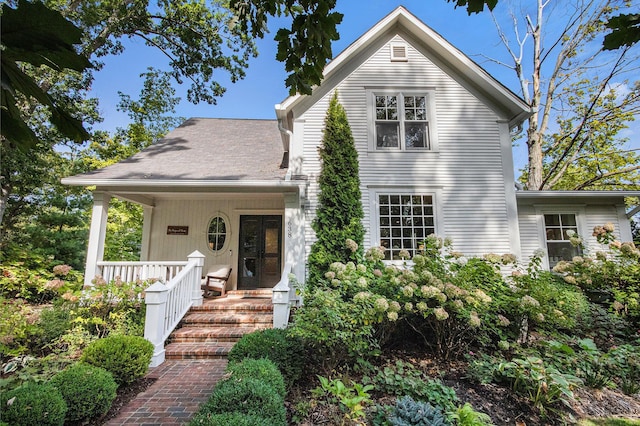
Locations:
130 271
281 299
167 304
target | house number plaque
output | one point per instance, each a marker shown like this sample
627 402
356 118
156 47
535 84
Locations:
177 230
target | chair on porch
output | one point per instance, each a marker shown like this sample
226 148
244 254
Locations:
216 281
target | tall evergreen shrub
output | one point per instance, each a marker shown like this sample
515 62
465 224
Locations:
339 213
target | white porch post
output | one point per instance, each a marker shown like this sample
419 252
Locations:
294 241
146 232
196 293
97 233
154 324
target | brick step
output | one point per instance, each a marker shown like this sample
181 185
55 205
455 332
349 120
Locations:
201 350
212 334
207 318
264 293
235 305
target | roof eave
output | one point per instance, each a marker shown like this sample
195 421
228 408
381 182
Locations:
183 184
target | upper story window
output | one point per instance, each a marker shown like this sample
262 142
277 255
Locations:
558 229
217 233
402 121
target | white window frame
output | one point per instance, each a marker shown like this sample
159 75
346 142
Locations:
432 133
227 238
374 221
577 210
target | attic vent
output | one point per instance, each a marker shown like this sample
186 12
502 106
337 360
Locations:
399 52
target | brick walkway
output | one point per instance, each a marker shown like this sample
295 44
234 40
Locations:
180 388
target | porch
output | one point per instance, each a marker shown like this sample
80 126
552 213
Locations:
210 326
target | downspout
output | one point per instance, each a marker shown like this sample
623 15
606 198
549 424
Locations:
287 135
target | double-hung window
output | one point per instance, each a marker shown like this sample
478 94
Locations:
558 230
405 220
401 121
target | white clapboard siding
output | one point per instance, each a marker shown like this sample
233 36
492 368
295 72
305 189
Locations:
196 217
467 167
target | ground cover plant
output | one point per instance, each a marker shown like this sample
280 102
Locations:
441 328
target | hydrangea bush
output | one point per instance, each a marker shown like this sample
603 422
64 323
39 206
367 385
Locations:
443 298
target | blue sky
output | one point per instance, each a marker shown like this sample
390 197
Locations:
263 87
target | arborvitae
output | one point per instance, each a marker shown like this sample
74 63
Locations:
339 213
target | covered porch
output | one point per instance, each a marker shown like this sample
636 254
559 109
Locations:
214 192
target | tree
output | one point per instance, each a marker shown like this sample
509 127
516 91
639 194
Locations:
625 31
35 35
339 213
581 87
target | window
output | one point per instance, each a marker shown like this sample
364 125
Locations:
405 221
401 121
217 233
557 228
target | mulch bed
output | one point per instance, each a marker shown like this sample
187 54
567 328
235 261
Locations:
125 395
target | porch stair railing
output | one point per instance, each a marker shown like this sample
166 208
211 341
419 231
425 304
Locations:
168 303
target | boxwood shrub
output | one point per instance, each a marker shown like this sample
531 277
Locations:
88 391
248 397
33 404
127 358
286 352
260 369
235 419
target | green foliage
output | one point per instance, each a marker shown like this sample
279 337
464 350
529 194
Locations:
403 379
408 412
88 391
465 415
16 325
260 369
127 358
624 360
284 350
106 308
249 397
339 213
25 369
235 419
35 278
33 404
352 398
34 34
543 385
615 270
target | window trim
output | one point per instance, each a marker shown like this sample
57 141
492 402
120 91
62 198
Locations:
432 132
227 240
374 215
577 210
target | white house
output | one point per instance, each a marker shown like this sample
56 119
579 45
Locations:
432 130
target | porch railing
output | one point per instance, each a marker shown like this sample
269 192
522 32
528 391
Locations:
130 271
168 303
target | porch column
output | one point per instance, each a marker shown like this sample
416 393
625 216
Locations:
196 292
294 241
146 232
97 233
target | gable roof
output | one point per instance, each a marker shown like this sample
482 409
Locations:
514 108
200 150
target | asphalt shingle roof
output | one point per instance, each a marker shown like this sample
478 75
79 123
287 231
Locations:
207 149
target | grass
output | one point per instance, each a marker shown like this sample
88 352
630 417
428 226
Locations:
611 421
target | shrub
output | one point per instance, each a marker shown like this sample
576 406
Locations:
33 404
88 391
260 369
285 351
52 324
127 358
408 412
235 419
247 397
466 416
16 325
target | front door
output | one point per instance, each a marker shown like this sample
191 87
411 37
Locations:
260 251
